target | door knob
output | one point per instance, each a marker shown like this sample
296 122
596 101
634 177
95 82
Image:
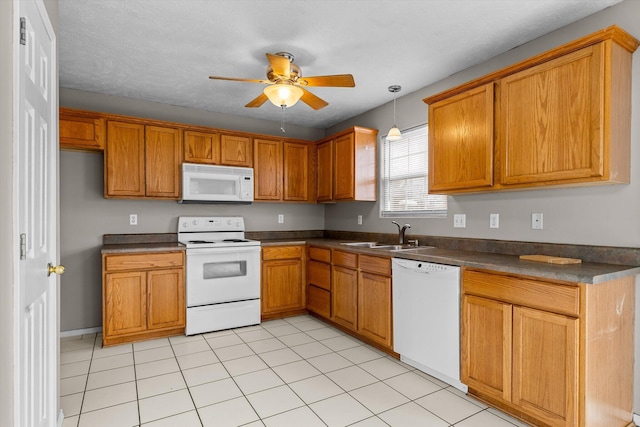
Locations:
55 269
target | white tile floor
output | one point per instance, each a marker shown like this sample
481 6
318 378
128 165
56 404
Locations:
288 372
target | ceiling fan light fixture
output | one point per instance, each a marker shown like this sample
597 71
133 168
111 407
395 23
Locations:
394 133
282 94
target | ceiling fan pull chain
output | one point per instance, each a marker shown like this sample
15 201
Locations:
284 107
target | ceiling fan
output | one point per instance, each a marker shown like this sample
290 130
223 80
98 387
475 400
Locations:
286 84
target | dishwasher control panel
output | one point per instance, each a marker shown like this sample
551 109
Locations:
421 266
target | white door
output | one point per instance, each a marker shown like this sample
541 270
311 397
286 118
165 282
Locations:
36 168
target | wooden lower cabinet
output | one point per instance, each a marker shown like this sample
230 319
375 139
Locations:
551 353
143 296
319 281
344 296
374 307
282 281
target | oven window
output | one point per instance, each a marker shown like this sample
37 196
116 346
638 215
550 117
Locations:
218 270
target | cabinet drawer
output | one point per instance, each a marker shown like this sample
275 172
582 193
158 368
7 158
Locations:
319 301
375 264
345 259
319 274
320 254
143 261
547 296
281 252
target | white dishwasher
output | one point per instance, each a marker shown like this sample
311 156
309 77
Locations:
426 318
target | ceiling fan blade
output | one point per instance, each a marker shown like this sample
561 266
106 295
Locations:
338 80
258 101
233 79
313 101
280 65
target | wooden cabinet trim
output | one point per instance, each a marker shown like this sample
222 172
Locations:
282 252
143 261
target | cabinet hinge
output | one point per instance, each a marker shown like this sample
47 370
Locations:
23 246
23 31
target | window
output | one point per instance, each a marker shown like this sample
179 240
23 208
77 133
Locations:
405 178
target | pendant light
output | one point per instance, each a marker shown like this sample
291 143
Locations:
394 133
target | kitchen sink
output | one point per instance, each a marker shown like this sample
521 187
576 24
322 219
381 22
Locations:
361 244
392 248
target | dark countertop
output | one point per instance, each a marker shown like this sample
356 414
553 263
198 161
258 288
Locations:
123 248
586 272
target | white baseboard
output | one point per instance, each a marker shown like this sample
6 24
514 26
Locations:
636 419
80 332
60 418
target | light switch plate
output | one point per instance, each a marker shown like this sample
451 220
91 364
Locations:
459 221
494 220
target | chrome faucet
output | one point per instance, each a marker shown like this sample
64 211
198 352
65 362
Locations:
401 230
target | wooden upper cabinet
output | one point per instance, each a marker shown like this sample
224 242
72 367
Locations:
560 118
461 141
236 151
142 161
81 130
352 167
552 120
201 147
124 160
163 156
267 169
296 171
325 172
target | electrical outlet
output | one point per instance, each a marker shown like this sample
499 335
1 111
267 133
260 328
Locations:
133 219
536 221
280 218
359 219
459 221
494 220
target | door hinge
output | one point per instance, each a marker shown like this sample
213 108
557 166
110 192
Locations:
23 31
23 246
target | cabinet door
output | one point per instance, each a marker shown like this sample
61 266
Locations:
81 131
166 305
374 308
325 172
125 303
282 286
551 120
486 346
163 156
296 172
344 168
545 365
124 160
201 147
319 301
236 151
461 141
344 297
267 169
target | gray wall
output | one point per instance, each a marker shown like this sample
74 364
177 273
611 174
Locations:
85 215
602 215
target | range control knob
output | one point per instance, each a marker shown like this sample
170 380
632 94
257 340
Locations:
194 222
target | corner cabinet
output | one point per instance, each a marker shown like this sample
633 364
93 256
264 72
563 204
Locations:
547 351
142 161
143 296
283 281
561 118
347 166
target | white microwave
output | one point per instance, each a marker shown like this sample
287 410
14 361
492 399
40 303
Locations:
216 184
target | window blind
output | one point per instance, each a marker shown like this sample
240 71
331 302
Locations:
405 177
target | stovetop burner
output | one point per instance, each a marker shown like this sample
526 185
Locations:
235 240
199 242
213 232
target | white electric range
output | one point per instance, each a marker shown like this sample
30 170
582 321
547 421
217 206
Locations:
222 274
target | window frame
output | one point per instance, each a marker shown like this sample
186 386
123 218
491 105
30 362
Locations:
437 199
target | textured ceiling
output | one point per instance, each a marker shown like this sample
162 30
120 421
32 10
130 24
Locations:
164 50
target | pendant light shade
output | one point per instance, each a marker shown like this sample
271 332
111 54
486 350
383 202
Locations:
394 133
282 94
